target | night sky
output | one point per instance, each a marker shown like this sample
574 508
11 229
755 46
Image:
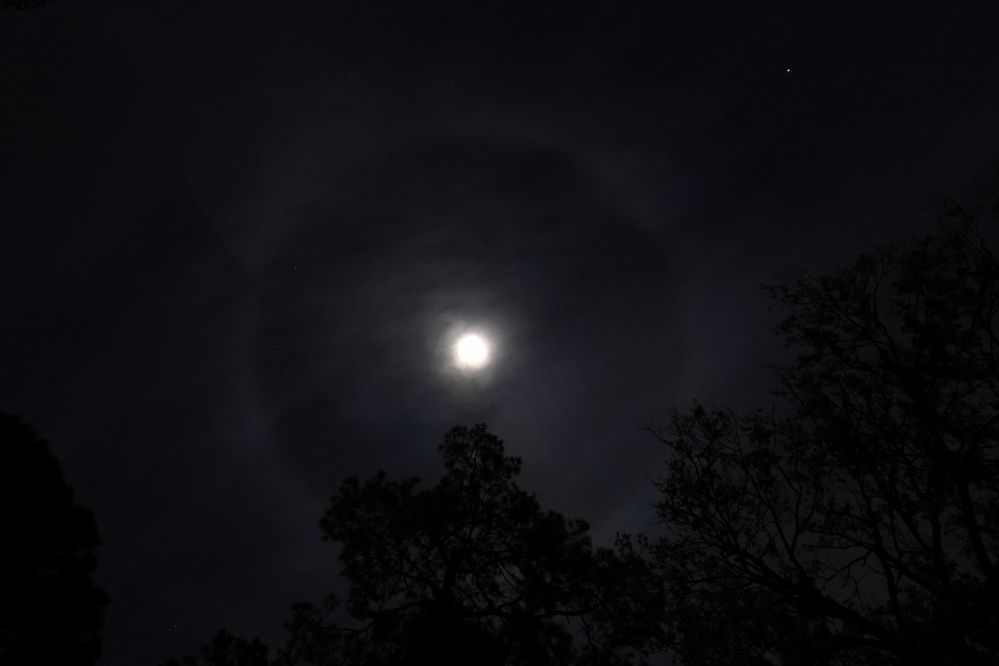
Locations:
238 237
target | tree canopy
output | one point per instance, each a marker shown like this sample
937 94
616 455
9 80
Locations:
469 571
857 521
51 611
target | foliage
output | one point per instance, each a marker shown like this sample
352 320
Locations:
858 520
228 650
51 612
469 571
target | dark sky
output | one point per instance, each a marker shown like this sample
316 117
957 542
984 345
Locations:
237 235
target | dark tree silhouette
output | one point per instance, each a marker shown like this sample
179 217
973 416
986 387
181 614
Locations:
469 571
228 650
858 520
51 612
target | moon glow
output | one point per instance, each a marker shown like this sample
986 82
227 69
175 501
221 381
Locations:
471 352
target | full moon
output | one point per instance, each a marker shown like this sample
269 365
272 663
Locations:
471 351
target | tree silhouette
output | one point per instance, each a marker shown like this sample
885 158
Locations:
51 612
226 649
469 571
858 520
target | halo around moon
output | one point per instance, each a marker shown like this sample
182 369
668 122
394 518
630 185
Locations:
471 352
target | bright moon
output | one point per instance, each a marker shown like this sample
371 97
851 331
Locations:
471 351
